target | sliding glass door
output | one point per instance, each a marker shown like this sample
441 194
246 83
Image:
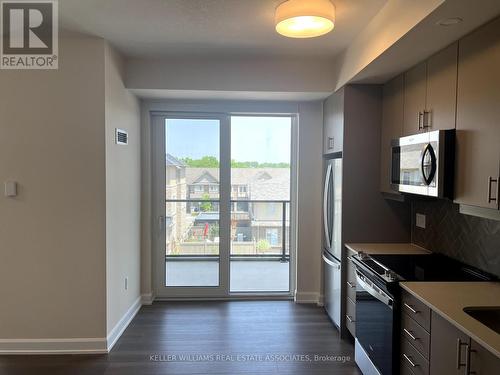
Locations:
221 202
260 204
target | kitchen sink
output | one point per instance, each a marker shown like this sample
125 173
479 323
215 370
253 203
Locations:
487 315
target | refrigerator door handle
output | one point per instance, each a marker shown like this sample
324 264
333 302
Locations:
330 262
325 206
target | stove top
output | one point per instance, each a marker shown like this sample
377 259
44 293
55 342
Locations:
421 267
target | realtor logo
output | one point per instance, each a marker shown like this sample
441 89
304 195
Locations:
29 34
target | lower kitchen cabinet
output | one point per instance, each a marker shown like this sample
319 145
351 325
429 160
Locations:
432 345
482 361
454 352
448 347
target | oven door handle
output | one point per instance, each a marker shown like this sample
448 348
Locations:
368 287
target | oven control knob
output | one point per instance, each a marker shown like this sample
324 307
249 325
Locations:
389 275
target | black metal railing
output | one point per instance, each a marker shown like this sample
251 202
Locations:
283 255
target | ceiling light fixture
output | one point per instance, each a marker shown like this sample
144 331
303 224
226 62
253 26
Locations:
305 18
450 21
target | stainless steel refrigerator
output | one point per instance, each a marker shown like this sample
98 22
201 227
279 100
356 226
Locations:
332 242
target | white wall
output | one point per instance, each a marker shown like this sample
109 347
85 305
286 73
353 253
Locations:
52 235
244 75
123 195
72 234
310 176
393 21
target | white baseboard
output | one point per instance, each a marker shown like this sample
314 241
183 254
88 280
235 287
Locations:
53 346
307 297
123 323
98 345
147 298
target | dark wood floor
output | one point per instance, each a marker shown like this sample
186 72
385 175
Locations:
238 337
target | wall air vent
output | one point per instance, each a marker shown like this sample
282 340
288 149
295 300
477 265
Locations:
121 137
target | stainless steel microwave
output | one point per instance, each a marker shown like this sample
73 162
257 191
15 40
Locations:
423 164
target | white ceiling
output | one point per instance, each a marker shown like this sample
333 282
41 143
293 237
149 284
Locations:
207 28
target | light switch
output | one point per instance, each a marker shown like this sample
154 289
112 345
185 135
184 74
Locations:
10 189
420 221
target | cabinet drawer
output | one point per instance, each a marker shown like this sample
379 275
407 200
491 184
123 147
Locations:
405 370
415 334
350 319
416 310
351 290
412 359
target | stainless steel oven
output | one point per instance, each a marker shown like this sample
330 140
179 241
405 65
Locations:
376 320
423 164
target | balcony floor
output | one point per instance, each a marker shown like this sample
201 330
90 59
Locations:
246 275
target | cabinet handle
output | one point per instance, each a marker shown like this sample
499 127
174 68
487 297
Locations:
459 353
467 360
419 120
410 334
349 318
425 119
490 181
408 358
351 285
409 307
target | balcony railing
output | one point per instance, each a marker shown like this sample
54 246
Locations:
262 231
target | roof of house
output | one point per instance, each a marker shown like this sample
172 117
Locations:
263 183
172 160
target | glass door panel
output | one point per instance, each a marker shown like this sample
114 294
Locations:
260 204
192 200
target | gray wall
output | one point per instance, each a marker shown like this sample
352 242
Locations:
367 216
470 239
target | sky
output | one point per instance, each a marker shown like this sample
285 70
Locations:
261 139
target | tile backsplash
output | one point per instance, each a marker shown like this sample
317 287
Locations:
469 239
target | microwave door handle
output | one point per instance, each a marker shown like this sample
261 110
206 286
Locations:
428 150
382 297
326 224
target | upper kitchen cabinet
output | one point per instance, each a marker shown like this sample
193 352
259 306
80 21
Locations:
414 99
478 118
392 127
441 98
430 93
333 126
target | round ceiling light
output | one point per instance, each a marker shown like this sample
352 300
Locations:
450 21
305 18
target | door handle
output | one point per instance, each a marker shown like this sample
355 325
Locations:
425 119
490 181
331 262
419 120
459 353
161 223
325 206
